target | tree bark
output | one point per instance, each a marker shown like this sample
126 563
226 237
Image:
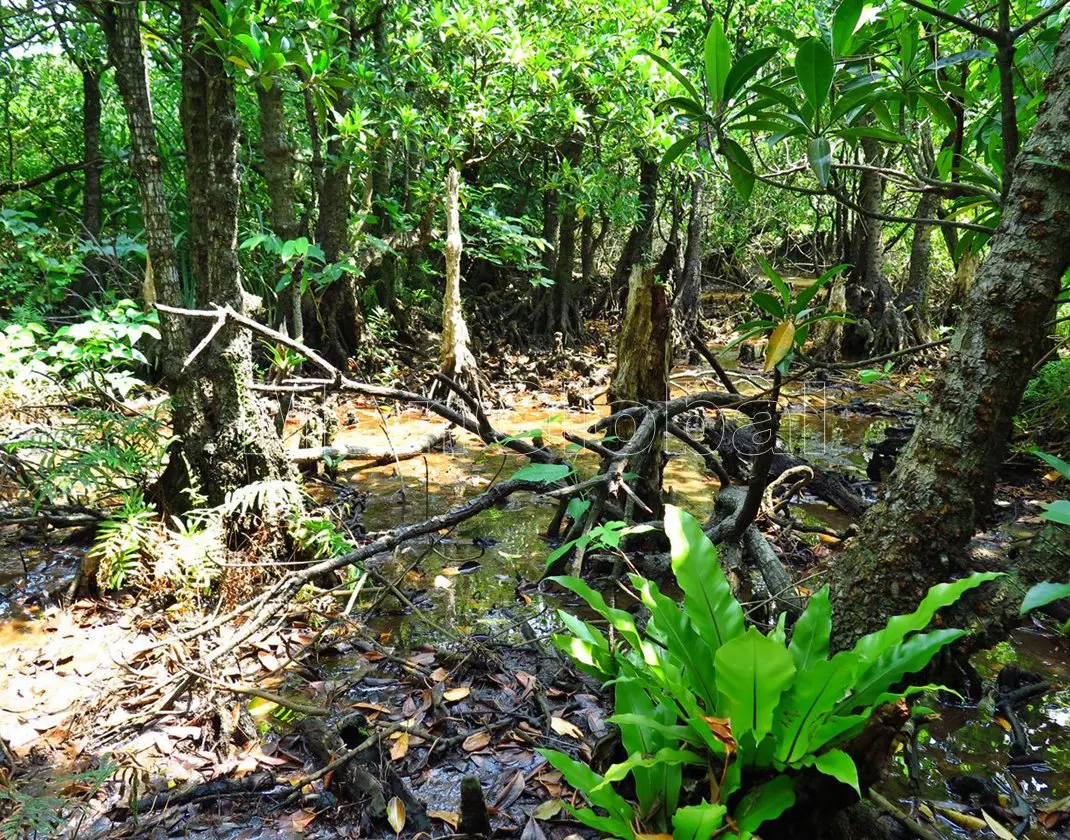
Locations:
686 307
225 439
94 166
278 174
562 319
458 363
637 246
879 327
121 22
944 481
913 301
644 357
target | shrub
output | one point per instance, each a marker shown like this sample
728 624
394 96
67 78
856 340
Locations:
1046 401
698 692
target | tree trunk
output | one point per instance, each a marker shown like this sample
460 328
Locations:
337 327
225 439
91 197
879 327
637 246
562 319
121 22
278 175
686 305
458 363
913 301
943 483
644 357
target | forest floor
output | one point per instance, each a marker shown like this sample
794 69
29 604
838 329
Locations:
444 656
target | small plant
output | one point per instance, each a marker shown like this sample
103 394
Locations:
790 316
39 813
868 376
699 694
122 540
1045 403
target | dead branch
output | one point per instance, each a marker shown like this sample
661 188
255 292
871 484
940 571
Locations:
375 457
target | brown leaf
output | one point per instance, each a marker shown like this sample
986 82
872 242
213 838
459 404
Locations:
476 741
532 831
300 820
395 814
400 748
450 818
452 695
439 674
779 345
511 792
269 661
563 727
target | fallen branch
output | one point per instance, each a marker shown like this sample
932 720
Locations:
374 457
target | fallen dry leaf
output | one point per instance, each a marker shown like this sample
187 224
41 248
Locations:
476 741
450 818
563 727
395 814
400 748
548 810
512 791
300 820
439 674
452 695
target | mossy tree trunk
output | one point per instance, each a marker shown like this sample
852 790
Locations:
644 355
944 481
277 152
224 438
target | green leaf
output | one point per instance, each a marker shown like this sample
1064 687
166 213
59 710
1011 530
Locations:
621 620
766 803
902 659
819 153
870 647
802 300
543 473
809 703
844 23
589 783
768 303
681 640
675 732
683 103
718 55
708 598
1057 512
810 639
839 765
752 673
676 74
740 168
745 68
1057 464
617 772
776 280
814 67
697 822
1042 594
871 132
959 58
678 148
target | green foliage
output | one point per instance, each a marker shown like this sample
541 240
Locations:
36 810
788 316
122 539
698 693
1042 594
1046 401
1059 510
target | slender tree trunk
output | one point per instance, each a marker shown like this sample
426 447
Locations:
121 22
943 483
337 327
565 261
637 246
458 363
91 198
278 174
913 301
686 307
879 326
